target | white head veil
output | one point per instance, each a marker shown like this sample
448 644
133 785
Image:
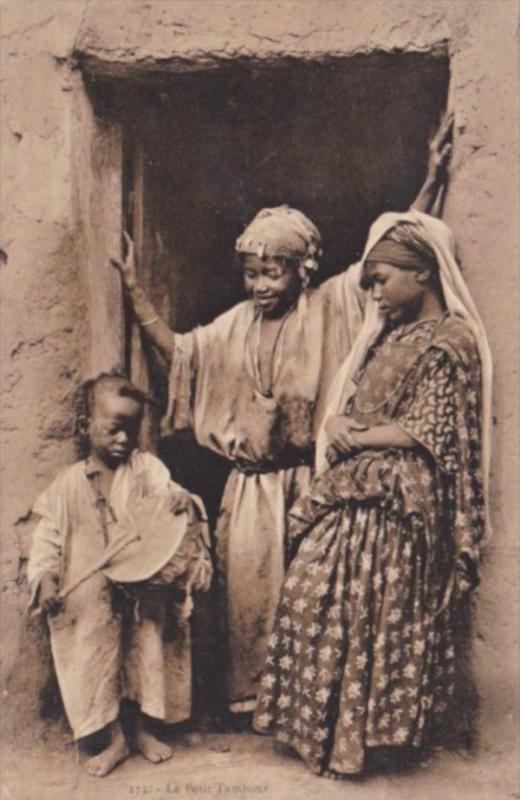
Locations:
458 301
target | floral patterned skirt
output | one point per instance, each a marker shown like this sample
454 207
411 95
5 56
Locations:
359 655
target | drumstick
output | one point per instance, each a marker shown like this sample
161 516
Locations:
98 565
114 549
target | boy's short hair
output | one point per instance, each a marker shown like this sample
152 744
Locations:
115 382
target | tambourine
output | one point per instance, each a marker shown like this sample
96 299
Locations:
153 535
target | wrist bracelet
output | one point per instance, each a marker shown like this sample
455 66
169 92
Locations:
149 322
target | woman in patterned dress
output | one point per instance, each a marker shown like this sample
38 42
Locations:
361 654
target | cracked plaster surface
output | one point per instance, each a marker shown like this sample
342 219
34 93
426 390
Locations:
43 319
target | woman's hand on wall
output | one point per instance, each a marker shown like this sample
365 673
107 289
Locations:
157 331
438 163
127 268
440 150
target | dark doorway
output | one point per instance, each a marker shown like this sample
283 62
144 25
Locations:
342 140
205 150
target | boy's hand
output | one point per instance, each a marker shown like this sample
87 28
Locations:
49 599
180 501
202 574
127 268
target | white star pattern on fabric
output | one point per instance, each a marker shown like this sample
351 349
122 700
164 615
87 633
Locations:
347 718
409 671
366 562
336 631
325 652
382 681
320 734
392 574
323 694
419 647
362 660
354 690
400 735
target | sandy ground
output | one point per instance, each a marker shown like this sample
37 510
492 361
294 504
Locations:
244 766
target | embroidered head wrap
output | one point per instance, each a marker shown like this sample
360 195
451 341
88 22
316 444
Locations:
440 240
282 232
399 254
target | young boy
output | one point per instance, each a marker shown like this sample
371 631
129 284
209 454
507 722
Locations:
108 643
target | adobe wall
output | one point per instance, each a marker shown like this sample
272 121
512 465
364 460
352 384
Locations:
50 216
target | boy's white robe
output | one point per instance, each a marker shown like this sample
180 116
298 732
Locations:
93 668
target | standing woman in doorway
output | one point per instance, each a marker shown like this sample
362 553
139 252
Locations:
252 385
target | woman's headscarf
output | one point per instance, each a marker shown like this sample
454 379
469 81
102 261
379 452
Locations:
284 232
458 300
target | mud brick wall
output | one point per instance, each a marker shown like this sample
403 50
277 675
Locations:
60 212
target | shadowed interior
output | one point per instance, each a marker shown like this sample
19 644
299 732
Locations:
343 141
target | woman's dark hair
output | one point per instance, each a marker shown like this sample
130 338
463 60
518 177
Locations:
116 382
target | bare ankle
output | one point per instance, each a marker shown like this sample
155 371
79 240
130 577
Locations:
148 743
115 751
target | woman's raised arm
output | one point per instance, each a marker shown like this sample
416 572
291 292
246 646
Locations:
161 336
440 153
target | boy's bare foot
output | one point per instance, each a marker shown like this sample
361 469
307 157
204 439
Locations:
151 748
117 751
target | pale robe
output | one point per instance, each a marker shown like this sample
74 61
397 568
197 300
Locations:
214 388
98 659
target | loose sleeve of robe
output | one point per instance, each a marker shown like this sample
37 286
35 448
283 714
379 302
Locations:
443 417
347 303
179 411
47 544
200 358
